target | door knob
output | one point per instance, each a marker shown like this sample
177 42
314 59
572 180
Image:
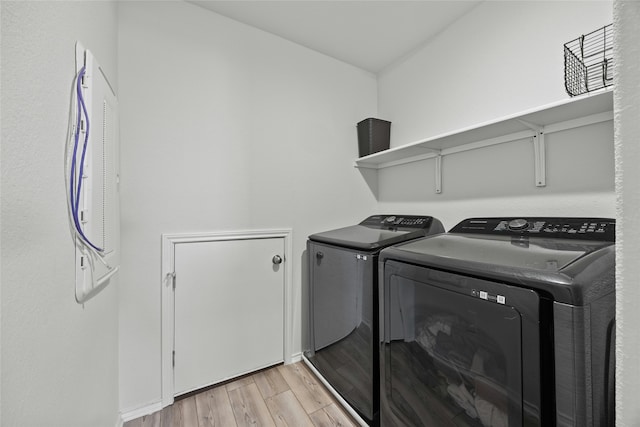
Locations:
277 259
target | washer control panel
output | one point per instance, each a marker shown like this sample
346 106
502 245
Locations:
602 229
397 221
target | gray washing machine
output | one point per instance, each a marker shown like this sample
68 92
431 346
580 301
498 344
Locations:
502 322
343 344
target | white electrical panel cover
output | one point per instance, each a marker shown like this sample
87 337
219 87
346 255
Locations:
99 201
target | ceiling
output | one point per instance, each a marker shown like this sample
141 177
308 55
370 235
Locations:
368 34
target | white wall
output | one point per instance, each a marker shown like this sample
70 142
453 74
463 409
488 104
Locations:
224 127
627 111
499 59
59 359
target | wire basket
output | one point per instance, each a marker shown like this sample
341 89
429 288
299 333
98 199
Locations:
588 62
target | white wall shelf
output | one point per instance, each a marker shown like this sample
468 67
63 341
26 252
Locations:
534 124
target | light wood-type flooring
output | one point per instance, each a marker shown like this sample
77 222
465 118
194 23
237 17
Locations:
284 395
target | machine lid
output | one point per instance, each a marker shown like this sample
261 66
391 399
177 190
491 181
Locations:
572 266
515 252
379 231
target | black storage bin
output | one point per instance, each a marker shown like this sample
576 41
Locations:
373 136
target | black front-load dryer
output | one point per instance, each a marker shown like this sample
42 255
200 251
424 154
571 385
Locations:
343 304
502 322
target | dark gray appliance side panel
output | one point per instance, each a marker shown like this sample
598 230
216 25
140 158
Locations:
570 364
603 360
366 269
584 365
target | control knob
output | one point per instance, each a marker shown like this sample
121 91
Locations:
518 224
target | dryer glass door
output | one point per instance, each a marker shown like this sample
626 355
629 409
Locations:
343 323
453 352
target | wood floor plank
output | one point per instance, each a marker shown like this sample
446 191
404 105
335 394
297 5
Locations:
250 394
240 382
287 411
185 413
166 417
249 408
152 420
307 388
270 382
134 423
214 408
331 416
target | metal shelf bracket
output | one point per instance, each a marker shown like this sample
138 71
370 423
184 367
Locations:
438 172
539 157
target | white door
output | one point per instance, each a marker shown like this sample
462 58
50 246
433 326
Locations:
229 309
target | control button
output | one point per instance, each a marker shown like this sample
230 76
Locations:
518 224
501 226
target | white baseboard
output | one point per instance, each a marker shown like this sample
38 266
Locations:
294 358
140 412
